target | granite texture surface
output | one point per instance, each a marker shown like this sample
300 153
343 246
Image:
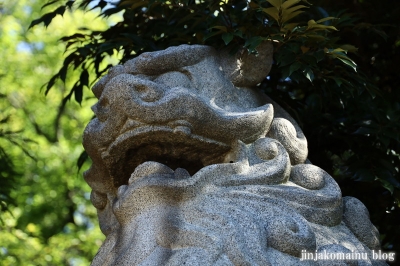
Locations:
192 165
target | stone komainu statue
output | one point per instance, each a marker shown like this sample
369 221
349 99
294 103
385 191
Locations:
191 166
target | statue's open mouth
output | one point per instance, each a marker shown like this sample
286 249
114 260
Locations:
172 145
190 139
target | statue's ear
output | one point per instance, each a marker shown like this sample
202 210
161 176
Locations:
170 59
156 63
246 70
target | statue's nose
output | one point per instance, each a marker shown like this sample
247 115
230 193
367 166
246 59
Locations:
95 109
101 109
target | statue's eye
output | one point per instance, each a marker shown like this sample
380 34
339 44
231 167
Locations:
175 79
101 109
148 92
103 102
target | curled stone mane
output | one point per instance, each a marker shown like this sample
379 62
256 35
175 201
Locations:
192 165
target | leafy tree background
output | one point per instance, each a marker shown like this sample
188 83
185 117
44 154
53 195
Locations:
334 71
50 219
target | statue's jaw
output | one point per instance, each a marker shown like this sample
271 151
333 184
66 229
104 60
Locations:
175 147
202 137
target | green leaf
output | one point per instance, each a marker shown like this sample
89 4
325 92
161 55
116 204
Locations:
319 55
349 63
315 37
289 3
389 166
50 84
290 26
275 3
337 53
314 25
84 79
387 179
102 4
387 185
68 97
285 71
110 11
49 3
363 175
82 159
285 58
223 28
46 19
78 92
288 17
63 73
227 37
239 33
338 81
288 13
309 59
137 4
305 1
273 12
309 74
349 48
380 33
186 18
325 19
295 8
252 43
363 131
211 34
105 47
294 67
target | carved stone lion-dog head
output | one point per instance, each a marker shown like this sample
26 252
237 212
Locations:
193 165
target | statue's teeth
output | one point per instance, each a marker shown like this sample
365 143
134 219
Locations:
182 130
121 190
181 173
148 168
131 124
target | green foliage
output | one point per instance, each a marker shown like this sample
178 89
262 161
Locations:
356 112
155 25
7 168
351 118
8 171
46 215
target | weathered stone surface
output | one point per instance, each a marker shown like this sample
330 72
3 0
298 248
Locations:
356 217
193 166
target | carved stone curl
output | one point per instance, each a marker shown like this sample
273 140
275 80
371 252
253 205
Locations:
193 166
